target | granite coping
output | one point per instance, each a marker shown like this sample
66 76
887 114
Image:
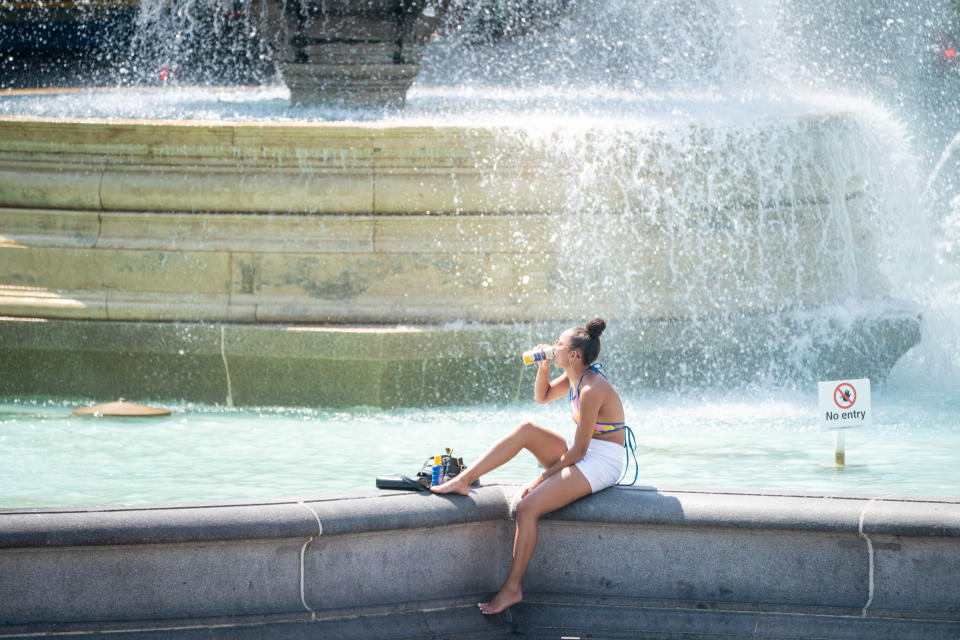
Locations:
368 511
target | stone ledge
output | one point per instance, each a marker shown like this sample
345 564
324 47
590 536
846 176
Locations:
891 515
366 511
407 510
231 167
41 528
628 562
362 512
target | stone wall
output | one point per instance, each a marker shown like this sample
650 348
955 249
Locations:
403 366
628 562
169 261
327 223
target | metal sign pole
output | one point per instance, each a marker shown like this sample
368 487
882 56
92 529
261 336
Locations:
839 453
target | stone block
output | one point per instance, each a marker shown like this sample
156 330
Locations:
308 146
271 381
550 617
509 236
45 186
732 509
292 342
38 302
690 565
918 574
67 270
380 287
400 566
156 524
386 367
152 307
47 228
149 582
229 190
139 361
554 616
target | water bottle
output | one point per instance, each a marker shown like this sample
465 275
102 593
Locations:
537 355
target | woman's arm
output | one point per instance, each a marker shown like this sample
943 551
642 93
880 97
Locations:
544 390
589 410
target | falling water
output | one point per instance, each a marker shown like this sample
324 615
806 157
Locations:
657 93
737 93
700 113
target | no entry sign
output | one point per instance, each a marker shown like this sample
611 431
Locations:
845 404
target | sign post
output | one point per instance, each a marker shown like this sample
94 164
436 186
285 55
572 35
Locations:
844 404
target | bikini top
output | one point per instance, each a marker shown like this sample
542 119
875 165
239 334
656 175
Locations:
599 427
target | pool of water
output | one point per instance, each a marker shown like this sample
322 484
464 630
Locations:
749 440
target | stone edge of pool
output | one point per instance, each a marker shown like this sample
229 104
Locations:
628 562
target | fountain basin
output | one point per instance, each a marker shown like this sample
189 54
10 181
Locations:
683 241
270 364
626 561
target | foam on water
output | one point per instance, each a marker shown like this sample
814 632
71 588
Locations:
543 108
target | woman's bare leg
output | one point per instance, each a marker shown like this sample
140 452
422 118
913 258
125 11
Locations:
544 444
559 490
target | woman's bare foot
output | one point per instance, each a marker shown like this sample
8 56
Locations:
501 601
456 485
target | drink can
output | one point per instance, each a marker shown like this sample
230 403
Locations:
537 355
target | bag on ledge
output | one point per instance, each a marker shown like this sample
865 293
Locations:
451 467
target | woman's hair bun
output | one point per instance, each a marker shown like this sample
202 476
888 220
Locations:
595 327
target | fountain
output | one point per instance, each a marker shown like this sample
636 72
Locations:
362 54
730 237
698 173
182 250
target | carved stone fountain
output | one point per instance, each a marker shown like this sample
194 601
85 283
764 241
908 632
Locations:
356 53
407 262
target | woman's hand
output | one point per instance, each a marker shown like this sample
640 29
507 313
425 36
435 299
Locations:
533 485
544 390
547 362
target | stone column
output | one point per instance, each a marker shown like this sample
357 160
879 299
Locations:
350 53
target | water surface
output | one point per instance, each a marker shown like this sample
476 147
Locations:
50 457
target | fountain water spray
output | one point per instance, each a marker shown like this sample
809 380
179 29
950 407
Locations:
693 182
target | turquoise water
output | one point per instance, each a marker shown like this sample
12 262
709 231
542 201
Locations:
49 457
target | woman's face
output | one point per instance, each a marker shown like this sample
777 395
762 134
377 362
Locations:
562 352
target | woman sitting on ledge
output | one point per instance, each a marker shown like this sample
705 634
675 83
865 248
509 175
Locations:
592 461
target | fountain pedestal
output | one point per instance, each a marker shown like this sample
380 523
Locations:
360 54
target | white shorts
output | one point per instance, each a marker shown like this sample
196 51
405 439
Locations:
602 465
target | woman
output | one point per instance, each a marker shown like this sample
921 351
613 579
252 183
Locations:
592 461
